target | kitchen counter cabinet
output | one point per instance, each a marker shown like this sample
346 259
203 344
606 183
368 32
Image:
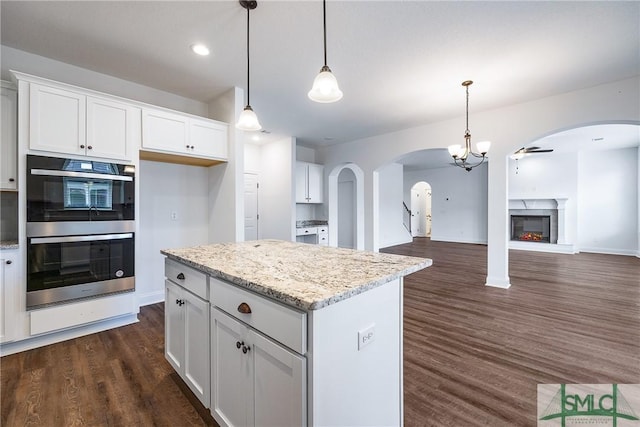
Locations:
8 293
309 182
313 320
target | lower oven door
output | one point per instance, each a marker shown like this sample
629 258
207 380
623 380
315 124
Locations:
64 268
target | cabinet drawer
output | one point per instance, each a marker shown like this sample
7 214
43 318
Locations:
189 278
282 323
323 229
323 239
306 230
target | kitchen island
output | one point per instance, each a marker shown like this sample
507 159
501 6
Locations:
279 333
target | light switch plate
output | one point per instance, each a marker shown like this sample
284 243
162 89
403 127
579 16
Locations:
366 336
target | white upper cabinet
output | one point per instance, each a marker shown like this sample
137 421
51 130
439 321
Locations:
182 135
309 182
57 120
165 131
68 122
208 138
111 128
9 141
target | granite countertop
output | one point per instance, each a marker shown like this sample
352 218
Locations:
305 276
311 223
9 244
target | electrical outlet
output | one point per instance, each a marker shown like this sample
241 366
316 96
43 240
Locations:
174 216
366 336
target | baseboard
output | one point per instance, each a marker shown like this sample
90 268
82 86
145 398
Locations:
625 252
67 334
497 282
458 240
150 298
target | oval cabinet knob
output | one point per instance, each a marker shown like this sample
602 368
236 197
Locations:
245 349
81 145
12 179
9 261
180 276
90 147
239 344
244 308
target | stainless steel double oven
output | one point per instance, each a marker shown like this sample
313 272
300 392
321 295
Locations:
80 229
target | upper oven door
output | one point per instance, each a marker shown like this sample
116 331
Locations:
78 190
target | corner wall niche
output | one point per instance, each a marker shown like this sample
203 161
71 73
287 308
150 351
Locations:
539 225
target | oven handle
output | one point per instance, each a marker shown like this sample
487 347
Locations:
70 239
47 172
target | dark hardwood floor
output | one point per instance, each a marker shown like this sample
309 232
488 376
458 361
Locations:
113 378
473 355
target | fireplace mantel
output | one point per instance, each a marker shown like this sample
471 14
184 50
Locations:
526 203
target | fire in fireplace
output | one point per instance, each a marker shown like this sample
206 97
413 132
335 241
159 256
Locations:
531 228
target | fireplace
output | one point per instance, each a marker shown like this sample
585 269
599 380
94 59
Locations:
531 228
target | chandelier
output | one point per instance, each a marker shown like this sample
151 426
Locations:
461 154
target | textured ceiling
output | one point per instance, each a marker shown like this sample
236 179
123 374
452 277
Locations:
399 63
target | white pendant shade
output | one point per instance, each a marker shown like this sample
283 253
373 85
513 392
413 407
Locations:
483 146
325 87
248 120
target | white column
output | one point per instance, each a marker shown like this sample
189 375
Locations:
498 219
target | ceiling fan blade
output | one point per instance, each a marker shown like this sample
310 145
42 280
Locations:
531 148
549 150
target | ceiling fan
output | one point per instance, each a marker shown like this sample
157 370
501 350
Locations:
520 153
531 150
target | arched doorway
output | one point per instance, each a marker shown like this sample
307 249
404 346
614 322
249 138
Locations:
421 209
346 206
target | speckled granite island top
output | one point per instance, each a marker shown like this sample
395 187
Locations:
305 276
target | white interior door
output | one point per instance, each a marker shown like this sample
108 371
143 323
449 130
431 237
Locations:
251 215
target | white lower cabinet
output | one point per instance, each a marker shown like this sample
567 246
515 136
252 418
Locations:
187 338
255 381
8 289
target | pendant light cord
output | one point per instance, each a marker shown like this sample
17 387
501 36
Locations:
324 15
248 56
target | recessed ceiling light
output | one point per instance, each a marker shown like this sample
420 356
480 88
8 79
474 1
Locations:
596 139
200 49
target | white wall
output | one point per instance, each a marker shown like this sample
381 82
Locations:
548 176
608 201
276 196
390 192
13 59
508 128
166 188
226 181
252 158
458 202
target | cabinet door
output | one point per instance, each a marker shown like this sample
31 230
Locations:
7 294
57 120
279 384
315 180
164 131
231 398
196 349
173 326
208 139
9 141
301 183
109 128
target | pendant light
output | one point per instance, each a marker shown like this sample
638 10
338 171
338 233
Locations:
461 154
325 86
248 119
